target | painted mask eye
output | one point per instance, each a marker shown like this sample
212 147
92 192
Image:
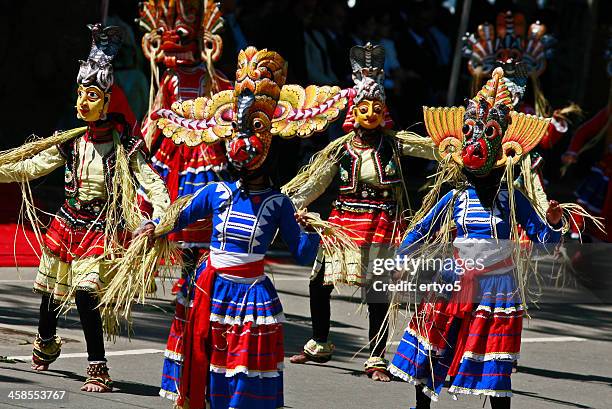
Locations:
160 31
258 124
363 109
181 31
378 109
492 130
467 129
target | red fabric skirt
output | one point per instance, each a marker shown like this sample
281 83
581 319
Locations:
365 228
71 236
257 349
199 334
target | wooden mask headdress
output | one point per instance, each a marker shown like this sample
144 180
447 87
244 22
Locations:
95 77
487 132
259 107
181 32
367 64
520 50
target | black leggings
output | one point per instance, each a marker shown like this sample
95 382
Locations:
320 312
423 401
90 321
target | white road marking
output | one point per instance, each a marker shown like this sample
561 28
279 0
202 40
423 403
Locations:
109 353
538 339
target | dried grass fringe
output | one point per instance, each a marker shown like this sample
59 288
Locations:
27 150
133 273
413 138
336 244
28 210
319 164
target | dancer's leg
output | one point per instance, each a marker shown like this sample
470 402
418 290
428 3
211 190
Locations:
378 334
422 401
47 344
47 320
376 365
500 403
318 349
98 379
320 307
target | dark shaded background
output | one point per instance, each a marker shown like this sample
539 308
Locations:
41 43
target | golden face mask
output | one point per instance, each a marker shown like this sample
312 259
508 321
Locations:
369 114
92 103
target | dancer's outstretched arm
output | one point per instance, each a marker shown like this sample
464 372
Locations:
32 168
428 226
302 244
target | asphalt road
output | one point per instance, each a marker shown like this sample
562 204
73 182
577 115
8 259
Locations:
566 355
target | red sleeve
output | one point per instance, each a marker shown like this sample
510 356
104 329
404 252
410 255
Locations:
588 130
119 104
551 137
556 129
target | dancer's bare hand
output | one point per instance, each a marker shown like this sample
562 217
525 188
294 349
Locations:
148 230
554 212
300 217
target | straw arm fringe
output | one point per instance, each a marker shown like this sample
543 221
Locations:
320 162
30 149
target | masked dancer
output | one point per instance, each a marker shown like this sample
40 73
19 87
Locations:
369 205
474 335
230 351
87 228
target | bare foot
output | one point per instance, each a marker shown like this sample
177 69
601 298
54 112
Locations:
380 376
94 387
40 367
